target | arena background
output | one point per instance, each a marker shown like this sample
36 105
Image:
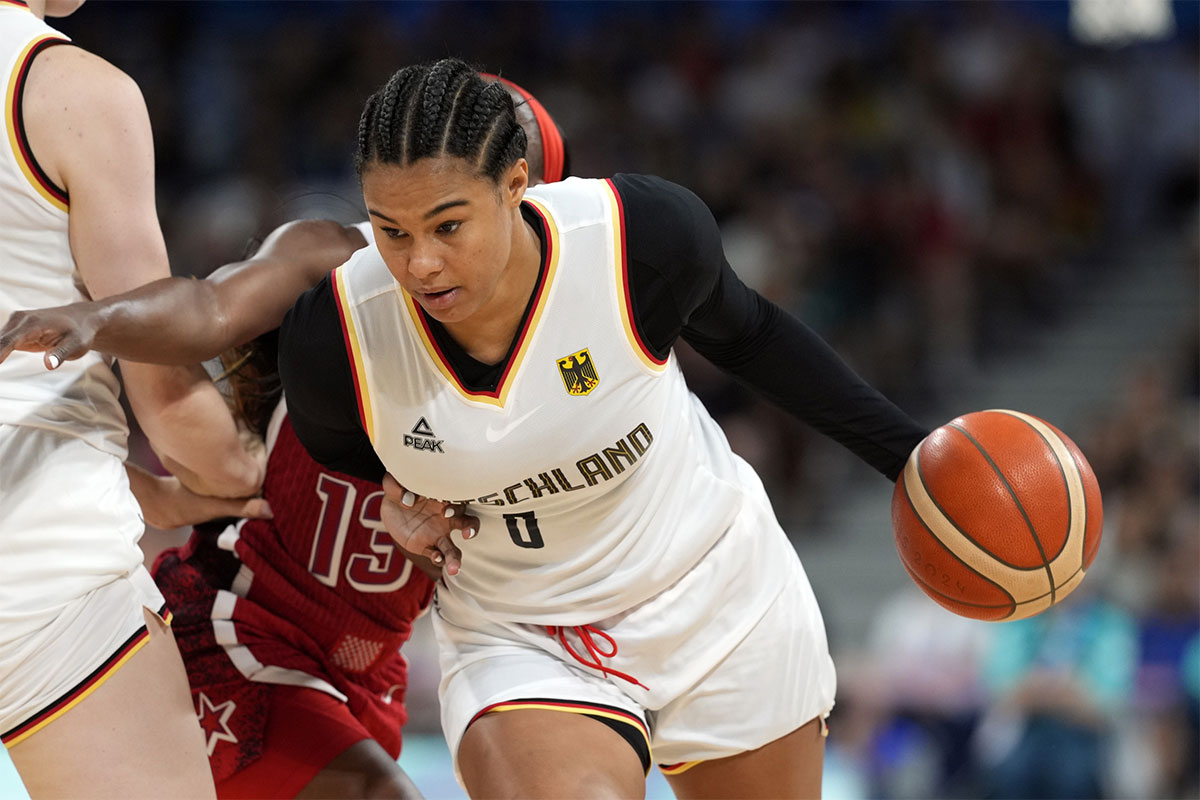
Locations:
979 204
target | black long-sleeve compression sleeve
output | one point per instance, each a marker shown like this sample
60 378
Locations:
318 386
682 286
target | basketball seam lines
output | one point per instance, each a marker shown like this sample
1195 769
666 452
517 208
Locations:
1015 604
1066 487
917 516
933 499
1017 501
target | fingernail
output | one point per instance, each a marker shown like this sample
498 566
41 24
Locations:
452 570
54 361
436 558
408 499
267 512
469 533
450 512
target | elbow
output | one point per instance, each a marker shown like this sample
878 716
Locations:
244 470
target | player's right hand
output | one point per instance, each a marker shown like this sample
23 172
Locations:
422 526
63 333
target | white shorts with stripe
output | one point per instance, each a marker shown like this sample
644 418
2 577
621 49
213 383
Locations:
69 524
730 658
50 671
72 584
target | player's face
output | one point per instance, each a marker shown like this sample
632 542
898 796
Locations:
445 234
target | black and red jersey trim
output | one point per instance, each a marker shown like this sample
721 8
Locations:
18 118
512 358
624 256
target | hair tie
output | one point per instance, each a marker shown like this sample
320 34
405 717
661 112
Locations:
554 148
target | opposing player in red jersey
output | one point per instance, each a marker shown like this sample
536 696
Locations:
290 627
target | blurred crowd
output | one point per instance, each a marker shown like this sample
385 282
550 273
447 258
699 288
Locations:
929 186
1097 697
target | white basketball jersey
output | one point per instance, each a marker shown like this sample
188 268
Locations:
599 478
37 270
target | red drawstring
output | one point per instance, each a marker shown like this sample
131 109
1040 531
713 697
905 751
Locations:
585 634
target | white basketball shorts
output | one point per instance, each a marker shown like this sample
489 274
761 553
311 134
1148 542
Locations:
728 659
72 585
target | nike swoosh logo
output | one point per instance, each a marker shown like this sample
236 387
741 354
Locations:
495 434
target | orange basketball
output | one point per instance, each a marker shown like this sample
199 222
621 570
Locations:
997 515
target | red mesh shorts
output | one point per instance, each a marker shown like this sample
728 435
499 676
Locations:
296 732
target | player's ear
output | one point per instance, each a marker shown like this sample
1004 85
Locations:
514 182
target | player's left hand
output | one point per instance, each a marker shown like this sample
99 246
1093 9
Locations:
422 526
62 333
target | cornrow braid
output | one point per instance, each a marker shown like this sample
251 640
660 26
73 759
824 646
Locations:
434 94
439 109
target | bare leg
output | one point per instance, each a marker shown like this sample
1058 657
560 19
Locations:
364 770
789 767
547 754
135 736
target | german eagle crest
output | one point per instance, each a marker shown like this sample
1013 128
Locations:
578 373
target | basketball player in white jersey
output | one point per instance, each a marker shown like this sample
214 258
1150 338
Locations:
93 697
629 595
500 350
287 737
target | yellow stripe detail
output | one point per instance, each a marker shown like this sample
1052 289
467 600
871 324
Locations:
10 123
411 305
679 769
116 665
530 327
619 273
360 373
586 711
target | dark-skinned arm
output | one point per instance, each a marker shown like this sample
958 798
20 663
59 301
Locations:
185 321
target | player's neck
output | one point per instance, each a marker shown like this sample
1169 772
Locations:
487 334
38 7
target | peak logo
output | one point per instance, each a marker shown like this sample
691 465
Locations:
422 437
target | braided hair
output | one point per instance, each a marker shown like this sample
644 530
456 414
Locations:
440 109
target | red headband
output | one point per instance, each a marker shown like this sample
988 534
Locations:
553 149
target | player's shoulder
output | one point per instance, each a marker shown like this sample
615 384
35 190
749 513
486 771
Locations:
664 217
571 202
580 201
314 312
364 276
77 108
82 80
653 192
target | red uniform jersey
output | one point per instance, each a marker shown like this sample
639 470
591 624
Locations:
318 597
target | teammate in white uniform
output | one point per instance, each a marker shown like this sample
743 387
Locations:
516 357
84 646
510 353
167 321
